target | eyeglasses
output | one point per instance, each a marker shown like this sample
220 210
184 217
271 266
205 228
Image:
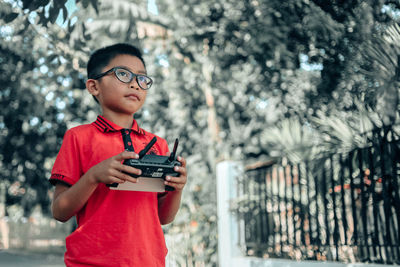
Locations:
126 76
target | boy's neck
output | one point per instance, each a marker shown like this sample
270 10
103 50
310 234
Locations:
125 121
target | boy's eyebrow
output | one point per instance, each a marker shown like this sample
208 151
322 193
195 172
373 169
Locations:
139 71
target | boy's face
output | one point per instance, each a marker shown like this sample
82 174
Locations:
115 96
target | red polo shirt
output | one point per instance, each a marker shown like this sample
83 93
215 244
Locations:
115 228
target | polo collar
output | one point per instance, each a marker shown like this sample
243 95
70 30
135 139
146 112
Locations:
106 126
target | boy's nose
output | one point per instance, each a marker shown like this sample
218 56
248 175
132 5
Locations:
134 84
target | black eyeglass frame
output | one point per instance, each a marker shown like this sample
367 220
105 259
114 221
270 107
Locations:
134 75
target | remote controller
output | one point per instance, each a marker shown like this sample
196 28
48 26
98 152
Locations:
153 167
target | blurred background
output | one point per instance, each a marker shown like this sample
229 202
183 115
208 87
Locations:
246 81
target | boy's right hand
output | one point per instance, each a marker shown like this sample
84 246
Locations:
112 170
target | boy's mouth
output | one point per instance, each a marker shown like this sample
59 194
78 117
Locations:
133 97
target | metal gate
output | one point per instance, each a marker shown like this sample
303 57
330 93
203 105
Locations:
343 207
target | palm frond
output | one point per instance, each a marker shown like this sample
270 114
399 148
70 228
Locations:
289 139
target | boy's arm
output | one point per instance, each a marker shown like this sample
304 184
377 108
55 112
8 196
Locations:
168 205
67 201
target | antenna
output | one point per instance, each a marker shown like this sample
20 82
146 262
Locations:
172 156
147 147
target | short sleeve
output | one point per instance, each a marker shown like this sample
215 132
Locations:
68 167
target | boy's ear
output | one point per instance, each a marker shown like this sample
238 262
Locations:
91 86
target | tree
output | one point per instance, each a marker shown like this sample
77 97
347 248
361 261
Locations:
36 88
225 72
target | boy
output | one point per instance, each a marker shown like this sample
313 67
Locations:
115 228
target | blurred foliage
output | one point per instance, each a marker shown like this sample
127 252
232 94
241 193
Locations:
240 80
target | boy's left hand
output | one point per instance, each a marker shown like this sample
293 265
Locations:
178 182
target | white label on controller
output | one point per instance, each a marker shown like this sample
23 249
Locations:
157 174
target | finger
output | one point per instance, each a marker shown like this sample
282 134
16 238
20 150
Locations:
114 179
130 179
177 186
125 177
126 155
176 180
182 170
182 160
129 169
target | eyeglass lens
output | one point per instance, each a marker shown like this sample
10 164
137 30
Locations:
127 76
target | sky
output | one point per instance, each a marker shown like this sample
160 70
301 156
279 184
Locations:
71 7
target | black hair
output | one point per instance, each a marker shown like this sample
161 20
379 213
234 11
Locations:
101 57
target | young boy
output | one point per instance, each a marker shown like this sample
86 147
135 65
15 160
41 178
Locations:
115 228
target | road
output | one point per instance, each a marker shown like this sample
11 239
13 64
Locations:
14 258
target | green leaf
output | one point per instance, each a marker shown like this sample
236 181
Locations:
70 26
65 13
43 2
52 57
85 3
53 14
42 19
25 4
10 17
33 5
95 5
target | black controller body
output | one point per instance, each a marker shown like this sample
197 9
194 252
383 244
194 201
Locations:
154 166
